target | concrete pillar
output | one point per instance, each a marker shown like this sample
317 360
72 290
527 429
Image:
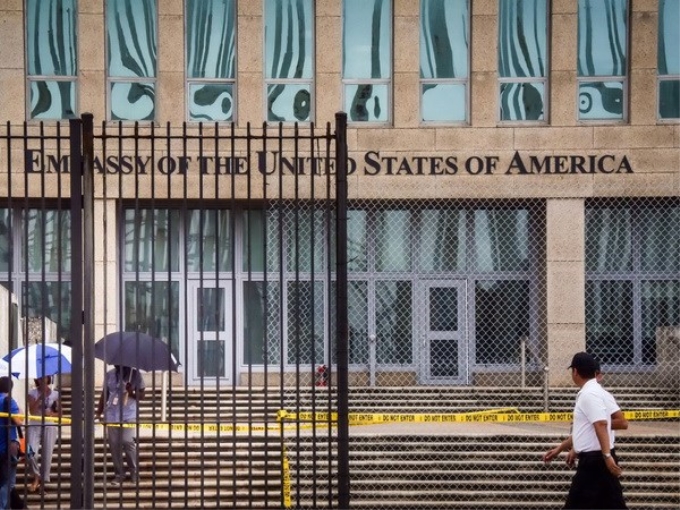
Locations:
565 254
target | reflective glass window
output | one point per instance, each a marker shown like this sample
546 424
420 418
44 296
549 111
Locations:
444 60
209 240
52 59
262 319
306 328
668 56
211 59
367 59
153 308
151 239
394 322
131 32
289 60
632 278
522 59
602 59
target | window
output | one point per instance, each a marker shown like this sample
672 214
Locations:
522 60
52 59
289 60
35 262
131 32
602 59
444 60
211 60
632 278
669 59
367 60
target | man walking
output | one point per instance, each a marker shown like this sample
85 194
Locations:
596 482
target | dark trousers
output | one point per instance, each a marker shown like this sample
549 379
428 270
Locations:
593 486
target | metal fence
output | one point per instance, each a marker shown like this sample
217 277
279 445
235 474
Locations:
335 352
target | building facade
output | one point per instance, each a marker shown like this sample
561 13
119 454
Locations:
514 181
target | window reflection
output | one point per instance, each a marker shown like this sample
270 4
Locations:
289 59
602 53
522 59
132 50
52 58
668 59
210 59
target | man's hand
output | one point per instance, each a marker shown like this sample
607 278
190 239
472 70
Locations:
551 454
613 467
571 458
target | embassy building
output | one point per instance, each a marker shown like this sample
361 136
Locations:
513 182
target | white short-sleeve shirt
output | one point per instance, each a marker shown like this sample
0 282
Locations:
591 406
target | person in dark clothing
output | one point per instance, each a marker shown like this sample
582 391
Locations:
9 441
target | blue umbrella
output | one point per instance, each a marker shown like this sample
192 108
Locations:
39 360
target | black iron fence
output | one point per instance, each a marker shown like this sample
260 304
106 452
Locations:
226 243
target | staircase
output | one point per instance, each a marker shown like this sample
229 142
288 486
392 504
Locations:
387 470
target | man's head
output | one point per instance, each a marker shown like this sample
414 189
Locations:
585 365
6 384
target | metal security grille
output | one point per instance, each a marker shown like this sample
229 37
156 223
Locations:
335 353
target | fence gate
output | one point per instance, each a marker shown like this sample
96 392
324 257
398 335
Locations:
228 244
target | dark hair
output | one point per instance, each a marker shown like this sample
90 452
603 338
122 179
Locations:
48 379
585 364
6 384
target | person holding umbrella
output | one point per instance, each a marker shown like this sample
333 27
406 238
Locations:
123 388
42 401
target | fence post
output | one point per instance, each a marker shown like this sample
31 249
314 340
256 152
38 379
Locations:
76 330
342 313
88 309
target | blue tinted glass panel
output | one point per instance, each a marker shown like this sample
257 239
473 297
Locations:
669 99
48 244
208 243
444 102
501 240
394 322
522 101
367 39
132 100
602 37
442 245
669 37
290 102
51 37
131 37
522 38
609 321
151 240
600 100
609 238
211 102
660 309
393 240
444 39
366 102
660 239
210 39
52 99
288 39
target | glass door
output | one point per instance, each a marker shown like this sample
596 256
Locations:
210 332
443 333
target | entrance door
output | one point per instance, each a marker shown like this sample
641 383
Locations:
444 332
210 332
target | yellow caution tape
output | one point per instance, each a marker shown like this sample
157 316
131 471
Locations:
487 416
48 419
285 473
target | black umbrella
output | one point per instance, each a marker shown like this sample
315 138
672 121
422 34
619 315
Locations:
136 350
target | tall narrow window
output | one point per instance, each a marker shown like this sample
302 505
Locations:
211 60
289 59
367 60
52 59
444 60
522 59
602 59
669 59
131 33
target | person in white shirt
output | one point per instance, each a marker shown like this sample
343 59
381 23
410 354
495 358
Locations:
596 482
42 401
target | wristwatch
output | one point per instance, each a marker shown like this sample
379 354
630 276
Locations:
607 455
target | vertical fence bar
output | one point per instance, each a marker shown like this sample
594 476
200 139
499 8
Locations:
342 313
76 333
88 309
